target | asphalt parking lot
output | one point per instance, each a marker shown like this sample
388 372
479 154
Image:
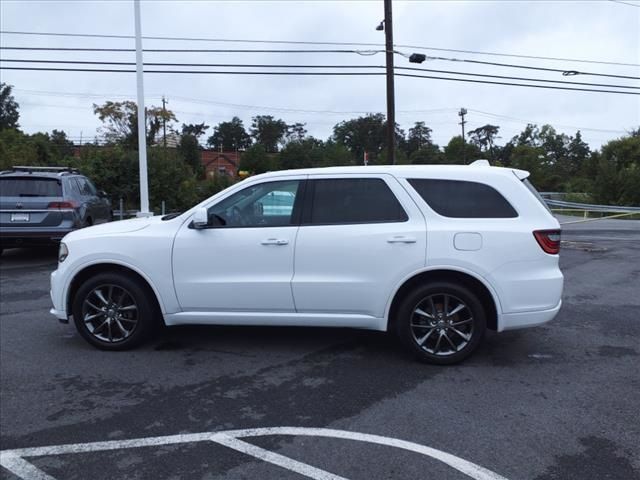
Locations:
555 402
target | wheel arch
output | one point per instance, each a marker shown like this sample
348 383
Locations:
485 293
88 271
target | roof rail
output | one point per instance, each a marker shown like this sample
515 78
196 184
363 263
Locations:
58 170
480 163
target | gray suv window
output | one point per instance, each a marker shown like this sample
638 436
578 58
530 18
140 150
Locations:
462 199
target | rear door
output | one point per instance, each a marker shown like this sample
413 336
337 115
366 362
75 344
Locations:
360 236
24 201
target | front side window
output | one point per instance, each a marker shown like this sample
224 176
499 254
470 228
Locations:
462 199
268 204
353 200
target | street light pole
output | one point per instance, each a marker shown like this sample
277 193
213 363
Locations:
142 134
391 107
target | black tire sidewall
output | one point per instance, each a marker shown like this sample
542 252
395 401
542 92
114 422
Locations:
141 297
411 300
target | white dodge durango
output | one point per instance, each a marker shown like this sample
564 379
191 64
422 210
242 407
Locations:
436 254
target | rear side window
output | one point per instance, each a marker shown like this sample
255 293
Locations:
535 192
353 200
30 187
461 199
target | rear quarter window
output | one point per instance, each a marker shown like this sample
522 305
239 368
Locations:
30 187
463 199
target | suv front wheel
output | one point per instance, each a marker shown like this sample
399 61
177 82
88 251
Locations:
441 322
113 311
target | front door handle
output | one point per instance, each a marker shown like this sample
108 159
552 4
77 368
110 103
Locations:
401 239
275 241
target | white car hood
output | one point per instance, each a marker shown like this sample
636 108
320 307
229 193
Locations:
112 228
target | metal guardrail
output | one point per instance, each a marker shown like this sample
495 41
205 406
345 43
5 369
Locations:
591 207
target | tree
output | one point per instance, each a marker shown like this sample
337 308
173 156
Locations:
230 136
305 153
189 150
9 114
121 122
457 151
61 143
256 160
419 136
366 134
194 129
268 132
296 132
428 154
484 137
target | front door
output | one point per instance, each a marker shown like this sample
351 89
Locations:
244 260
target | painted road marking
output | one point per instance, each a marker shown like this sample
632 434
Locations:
14 460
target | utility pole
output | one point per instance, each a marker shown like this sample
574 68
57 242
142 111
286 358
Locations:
142 134
461 114
391 102
164 124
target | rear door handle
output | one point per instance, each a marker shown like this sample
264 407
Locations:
401 239
275 241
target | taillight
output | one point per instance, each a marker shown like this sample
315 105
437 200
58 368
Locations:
60 205
549 240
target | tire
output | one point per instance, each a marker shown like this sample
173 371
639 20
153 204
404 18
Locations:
431 335
128 315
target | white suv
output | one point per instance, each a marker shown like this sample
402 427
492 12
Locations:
436 254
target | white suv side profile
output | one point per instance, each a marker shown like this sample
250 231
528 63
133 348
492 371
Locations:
434 253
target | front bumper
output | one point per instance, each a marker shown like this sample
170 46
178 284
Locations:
59 309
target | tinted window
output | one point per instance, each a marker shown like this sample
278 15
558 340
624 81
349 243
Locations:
85 188
30 187
533 190
267 204
357 200
459 199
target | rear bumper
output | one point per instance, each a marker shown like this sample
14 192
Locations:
515 321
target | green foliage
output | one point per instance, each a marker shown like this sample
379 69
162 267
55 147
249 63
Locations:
229 136
268 132
256 160
366 134
194 129
457 151
9 114
190 152
120 121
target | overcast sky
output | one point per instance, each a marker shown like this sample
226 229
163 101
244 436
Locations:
592 30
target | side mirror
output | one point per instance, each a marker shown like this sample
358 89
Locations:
102 194
200 219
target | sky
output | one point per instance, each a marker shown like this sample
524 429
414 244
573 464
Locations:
603 31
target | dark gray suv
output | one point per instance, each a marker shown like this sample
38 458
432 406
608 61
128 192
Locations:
40 205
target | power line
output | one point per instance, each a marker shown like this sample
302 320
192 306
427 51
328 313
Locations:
189 50
287 109
262 65
237 72
520 120
294 42
565 72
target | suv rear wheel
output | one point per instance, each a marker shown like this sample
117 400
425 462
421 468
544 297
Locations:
441 322
113 312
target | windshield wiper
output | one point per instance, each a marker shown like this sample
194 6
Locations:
171 215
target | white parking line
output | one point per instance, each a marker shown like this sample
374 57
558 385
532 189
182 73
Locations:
13 460
276 458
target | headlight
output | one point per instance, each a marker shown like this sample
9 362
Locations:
63 252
